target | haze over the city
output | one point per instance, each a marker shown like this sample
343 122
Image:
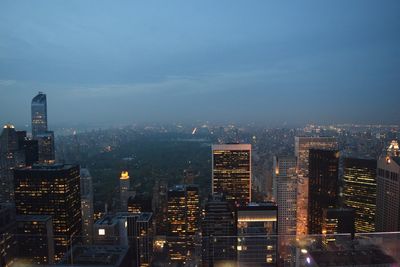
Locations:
295 62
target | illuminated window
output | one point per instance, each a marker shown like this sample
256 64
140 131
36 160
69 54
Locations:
102 232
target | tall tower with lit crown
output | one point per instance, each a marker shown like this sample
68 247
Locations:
124 184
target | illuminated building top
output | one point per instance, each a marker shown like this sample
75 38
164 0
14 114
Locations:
8 126
393 149
124 175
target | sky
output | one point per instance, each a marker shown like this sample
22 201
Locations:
270 62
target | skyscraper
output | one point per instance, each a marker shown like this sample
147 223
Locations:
231 172
52 190
39 114
302 147
285 195
257 234
11 156
87 206
124 190
183 220
218 232
359 191
323 186
388 193
46 147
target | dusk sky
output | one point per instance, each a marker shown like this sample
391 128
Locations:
116 62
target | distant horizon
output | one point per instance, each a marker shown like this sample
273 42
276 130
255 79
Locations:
266 62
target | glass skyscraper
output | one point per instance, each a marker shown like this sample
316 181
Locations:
39 114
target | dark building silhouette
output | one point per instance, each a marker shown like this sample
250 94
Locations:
140 203
337 221
11 156
35 239
52 190
323 186
359 191
218 232
8 243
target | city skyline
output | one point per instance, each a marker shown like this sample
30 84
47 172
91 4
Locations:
265 62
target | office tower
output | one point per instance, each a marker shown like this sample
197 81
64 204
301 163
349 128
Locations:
337 221
285 186
39 114
160 206
87 206
285 195
35 239
11 156
124 190
52 190
29 147
140 235
218 232
388 194
183 220
359 191
302 147
46 147
257 231
323 186
99 256
8 243
139 203
231 172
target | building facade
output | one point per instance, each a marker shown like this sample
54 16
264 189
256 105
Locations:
302 147
52 190
218 232
35 239
257 235
388 194
231 172
323 186
359 191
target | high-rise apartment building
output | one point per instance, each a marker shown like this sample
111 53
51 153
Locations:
388 194
323 186
52 190
218 232
257 229
359 191
302 147
231 172
39 114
